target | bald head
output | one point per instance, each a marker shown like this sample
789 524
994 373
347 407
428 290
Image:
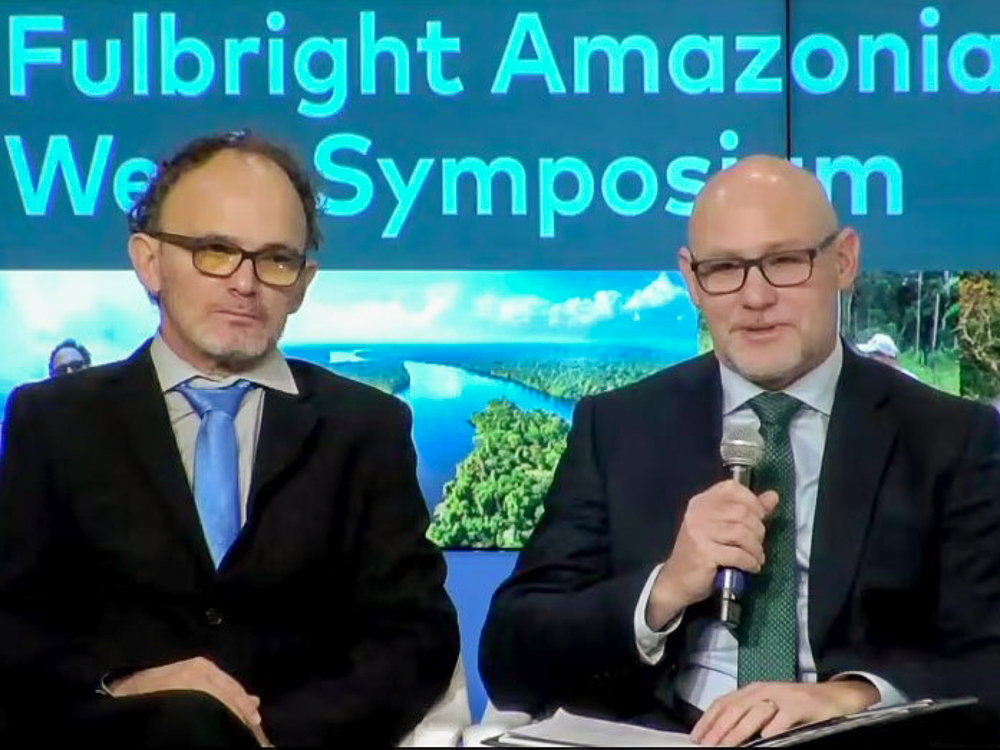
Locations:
765 187
765 263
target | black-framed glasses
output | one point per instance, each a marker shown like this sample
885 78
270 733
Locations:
783 268
274 265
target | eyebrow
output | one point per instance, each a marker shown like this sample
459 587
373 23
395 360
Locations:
212 237
771 247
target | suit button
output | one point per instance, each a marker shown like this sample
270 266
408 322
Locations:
213 617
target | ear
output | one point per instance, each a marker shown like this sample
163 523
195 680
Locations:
144 253
308 274
684 259
848 256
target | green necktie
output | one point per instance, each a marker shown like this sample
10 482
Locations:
768 631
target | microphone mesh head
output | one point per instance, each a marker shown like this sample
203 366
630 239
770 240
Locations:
742 445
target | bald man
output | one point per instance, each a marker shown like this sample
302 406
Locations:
869 534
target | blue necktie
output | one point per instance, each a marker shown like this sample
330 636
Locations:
216 463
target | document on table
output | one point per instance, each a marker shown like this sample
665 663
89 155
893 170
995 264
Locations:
564 729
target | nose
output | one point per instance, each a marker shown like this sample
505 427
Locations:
757 292
244 280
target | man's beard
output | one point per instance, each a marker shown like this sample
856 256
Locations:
241 356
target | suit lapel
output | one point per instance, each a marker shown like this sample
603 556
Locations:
287 424
702 412
858 443
689 425
137 402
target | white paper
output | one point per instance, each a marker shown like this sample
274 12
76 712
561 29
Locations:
566 729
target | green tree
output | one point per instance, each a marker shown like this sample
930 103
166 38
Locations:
978 331
495 499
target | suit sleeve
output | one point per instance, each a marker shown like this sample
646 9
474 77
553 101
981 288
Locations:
404 631
965 658
561 630
39 594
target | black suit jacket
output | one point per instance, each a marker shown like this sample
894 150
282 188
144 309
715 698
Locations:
904 577
330 605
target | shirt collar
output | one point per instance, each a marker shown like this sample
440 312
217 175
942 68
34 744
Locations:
815 389
271 372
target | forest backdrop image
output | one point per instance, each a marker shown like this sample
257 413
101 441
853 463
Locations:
492 406
495 499
919 310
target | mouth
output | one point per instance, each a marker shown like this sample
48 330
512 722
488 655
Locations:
240 316
760 332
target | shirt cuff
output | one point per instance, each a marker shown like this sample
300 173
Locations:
648 642
104 687
889 695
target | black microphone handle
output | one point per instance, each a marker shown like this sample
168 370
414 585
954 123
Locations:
730 583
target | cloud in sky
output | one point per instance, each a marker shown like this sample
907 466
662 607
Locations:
420 315
577 311
516 309
585 311
662 291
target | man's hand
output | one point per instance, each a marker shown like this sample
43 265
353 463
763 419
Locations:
772 707
723 527
196 674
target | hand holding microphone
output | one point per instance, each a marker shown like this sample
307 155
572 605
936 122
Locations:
723 528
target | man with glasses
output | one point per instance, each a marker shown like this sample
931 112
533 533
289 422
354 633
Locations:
207 544
869 532
67 357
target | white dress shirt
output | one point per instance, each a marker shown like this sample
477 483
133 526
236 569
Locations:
708 667
172 371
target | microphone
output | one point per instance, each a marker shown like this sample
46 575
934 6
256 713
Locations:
741 449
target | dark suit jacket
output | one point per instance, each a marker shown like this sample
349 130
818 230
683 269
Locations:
330 605
904 577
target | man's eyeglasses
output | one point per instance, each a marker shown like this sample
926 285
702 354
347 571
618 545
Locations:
780 269
274 265
68 367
